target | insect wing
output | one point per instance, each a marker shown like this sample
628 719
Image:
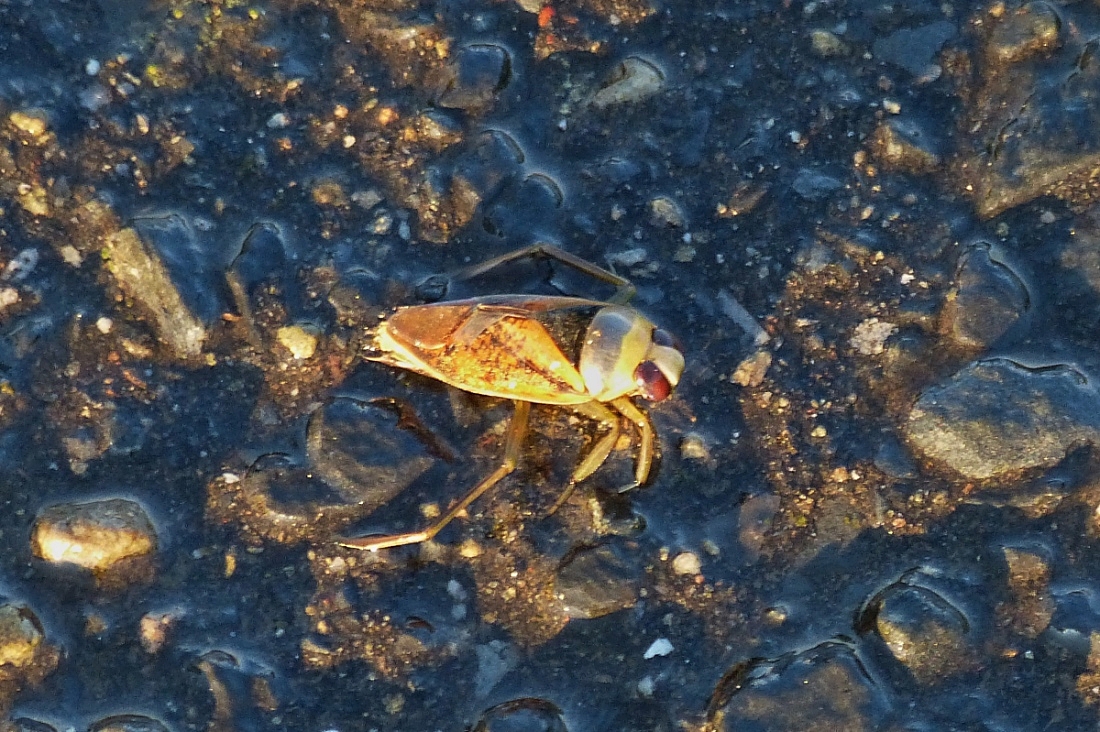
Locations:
493 346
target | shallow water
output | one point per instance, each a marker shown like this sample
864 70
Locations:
872 227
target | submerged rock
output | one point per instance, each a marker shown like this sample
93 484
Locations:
923 631
998 416
522 714
475 77
825 687
633 80
26 657
1032 120
598 581
20 636
142 276
96 535
989 299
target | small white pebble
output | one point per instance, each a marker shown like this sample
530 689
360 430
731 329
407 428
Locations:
456 591
104 325
687 563
629 258
659 647
646 686
71 255
92 67
278 121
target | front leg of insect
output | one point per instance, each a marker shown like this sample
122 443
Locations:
587 355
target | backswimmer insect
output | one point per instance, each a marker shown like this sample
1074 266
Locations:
588 355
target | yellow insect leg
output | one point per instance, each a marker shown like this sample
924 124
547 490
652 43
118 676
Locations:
513 444
645 435
597 456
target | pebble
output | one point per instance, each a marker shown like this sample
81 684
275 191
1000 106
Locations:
813 185
989 298
475 77
869 337
35 200
923 631
300 340
1029 32
633 80
278 121
904 144
663 211
31 122
94 97
694 447
494 659
26 658
598 581
827 44
1035 128
659 647
154 628
8 296
1032 606
20 635
96 535
359 451
141 274
752 370
754 521
687 563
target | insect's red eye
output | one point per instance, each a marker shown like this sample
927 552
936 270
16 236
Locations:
663 338
652 384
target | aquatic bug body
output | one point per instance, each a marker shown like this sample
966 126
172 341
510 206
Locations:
544 350
587 355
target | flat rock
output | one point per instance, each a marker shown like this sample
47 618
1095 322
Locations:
141 274
997 416
96 535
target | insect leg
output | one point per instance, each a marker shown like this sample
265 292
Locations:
513 444
624 289
597 456
645 435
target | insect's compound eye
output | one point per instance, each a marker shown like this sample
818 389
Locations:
651 383
663 338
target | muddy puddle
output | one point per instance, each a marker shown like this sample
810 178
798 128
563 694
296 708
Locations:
871 229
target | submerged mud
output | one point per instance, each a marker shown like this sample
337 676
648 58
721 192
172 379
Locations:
872 229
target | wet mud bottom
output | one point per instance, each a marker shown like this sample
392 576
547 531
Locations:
872 227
